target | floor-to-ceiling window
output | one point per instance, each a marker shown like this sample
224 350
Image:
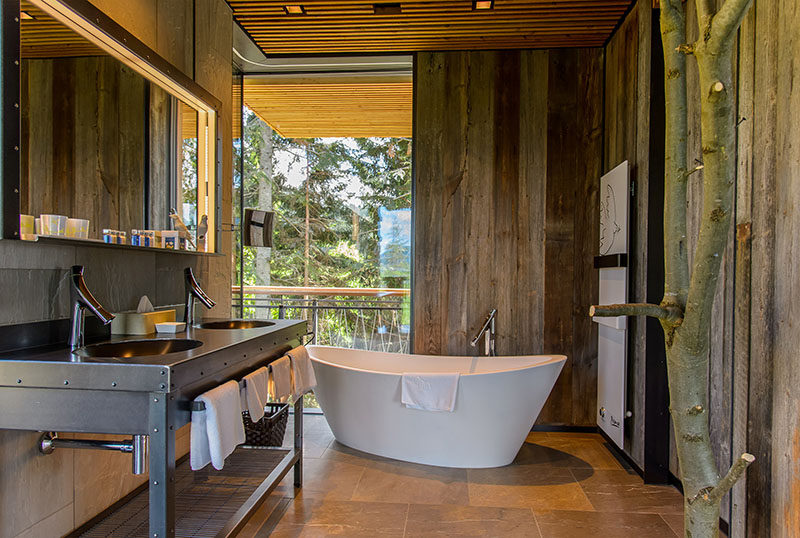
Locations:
329 157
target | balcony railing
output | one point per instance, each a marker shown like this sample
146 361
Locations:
374 319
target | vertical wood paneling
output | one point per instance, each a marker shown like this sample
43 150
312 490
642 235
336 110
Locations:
85 145
456 73
506 142
63 143
532 170
480 284
506 198
429 143
562 154
159 158
742 270
39 110
785 510
589 120
213 33
175 33
626 109
763 272
131 111
107 185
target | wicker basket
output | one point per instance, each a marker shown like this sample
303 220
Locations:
268 431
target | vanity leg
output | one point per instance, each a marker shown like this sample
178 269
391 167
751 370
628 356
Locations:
298 442
162 468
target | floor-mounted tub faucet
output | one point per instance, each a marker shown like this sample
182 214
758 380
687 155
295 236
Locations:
489 331
193 291
81 298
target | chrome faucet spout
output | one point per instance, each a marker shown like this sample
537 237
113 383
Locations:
81 299
489 329
193 291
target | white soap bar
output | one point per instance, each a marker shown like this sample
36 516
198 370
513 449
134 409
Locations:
170 327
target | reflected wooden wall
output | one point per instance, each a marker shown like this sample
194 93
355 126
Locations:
508 158
83 150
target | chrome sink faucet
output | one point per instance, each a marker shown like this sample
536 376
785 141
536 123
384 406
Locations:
490 332
193 291
81 298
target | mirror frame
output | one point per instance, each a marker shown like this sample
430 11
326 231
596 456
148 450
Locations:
97 27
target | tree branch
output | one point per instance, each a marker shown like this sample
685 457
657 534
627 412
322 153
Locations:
734 474
663 313
673 35
705 10
728 19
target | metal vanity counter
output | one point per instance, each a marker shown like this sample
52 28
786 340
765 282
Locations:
45 390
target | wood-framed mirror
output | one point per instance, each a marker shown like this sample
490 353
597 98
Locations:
100 128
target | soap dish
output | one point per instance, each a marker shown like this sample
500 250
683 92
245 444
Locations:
170 327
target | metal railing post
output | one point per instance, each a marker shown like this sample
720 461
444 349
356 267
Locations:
315 315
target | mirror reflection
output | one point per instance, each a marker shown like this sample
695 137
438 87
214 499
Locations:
106 154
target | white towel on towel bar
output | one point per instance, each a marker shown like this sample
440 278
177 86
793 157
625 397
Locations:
255 393
429 391
282 378
302 370
217 429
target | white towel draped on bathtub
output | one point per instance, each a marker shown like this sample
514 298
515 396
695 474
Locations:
429 391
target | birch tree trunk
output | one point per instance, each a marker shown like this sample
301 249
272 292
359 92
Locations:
263 254
685 310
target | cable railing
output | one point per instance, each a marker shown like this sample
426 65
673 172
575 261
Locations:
374 319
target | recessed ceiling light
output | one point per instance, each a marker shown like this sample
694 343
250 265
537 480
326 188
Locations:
482 4
387 9
25 16
294 9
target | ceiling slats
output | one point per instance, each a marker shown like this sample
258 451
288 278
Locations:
311 109
44 37
351 26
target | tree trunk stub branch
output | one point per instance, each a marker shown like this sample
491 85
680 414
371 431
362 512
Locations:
734 474
664 313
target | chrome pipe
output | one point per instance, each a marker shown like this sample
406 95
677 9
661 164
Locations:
137 447
139 455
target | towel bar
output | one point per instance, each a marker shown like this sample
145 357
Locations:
200 406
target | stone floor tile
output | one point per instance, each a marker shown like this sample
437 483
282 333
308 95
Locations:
448 520
580 524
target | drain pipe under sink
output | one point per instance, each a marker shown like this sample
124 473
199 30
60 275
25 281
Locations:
137 447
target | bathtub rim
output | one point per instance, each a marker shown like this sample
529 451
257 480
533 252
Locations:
555 358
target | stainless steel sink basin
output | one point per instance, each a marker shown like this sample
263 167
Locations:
138 348
235 324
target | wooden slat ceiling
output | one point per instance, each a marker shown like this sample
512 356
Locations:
44 37
300 108
351 26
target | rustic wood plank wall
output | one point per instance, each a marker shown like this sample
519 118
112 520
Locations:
85 147
508 156
625 136
755 405
784 96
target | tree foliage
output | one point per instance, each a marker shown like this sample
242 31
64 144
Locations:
344 238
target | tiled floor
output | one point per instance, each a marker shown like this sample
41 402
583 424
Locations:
560 485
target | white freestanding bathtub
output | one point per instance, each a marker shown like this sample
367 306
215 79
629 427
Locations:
497 403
